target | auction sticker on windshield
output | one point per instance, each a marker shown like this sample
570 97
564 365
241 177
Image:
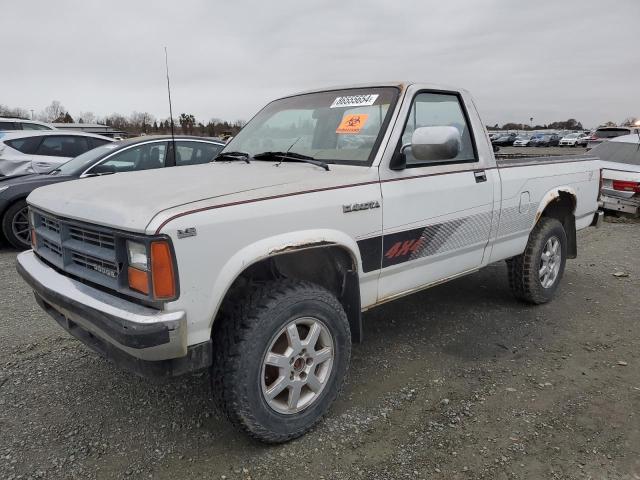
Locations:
354 101
352 123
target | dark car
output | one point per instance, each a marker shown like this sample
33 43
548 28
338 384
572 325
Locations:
546 140
143 153
505 140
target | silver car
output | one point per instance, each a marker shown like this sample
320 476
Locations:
24 152
620 173
8 124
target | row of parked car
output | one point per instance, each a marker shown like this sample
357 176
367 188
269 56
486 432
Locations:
573 139
31 159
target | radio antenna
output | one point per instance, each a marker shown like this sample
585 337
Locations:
173 140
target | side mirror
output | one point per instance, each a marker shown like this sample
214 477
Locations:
435 143
102 169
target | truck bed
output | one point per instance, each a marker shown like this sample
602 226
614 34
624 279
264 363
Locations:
504 161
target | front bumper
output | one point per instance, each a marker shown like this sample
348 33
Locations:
620 204
148 342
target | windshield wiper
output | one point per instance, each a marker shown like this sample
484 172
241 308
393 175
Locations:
291 156
234 156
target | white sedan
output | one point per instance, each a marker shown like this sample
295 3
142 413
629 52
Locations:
41 151
620 173
572 140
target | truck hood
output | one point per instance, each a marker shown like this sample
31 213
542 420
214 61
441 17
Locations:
129 201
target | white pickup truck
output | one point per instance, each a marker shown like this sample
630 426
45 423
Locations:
260 264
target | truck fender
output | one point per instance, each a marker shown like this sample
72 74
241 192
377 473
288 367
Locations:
551 196
277 245
568 221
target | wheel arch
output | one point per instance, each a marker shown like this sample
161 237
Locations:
560 203
329 258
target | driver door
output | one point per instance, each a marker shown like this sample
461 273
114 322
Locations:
437 215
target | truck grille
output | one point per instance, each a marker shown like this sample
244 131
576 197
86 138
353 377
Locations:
85 251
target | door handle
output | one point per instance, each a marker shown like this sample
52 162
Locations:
480 175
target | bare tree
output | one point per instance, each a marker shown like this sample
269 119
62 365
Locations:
141 121
13 112
630 122
53 111
87 117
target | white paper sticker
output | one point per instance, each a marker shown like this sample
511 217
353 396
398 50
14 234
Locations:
354 101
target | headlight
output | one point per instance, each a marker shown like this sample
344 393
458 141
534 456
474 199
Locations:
152 273
137 254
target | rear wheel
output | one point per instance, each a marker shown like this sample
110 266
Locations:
535 275
281 354
15 225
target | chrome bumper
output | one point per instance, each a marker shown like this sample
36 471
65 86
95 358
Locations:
619 204
103 321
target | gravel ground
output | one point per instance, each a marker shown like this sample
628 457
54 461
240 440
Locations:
456 382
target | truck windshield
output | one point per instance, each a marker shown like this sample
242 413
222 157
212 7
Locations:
339 126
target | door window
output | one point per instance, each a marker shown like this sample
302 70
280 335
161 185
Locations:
143 157
62 146
34 126
435 110
193 153
9 126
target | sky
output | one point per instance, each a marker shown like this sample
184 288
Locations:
550 60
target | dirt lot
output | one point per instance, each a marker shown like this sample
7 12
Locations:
457 382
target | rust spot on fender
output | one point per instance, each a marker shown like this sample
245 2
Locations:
304 244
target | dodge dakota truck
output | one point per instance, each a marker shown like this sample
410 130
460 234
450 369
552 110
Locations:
259 265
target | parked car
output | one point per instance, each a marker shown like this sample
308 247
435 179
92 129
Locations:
522 141
571 140
605 133
620 173
546 140
142 153
583 139
504 140
10 124
42 151
259 266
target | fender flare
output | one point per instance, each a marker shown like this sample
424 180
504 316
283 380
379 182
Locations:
551 195
278 245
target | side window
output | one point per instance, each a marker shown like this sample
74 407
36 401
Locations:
9 126
438 109
25 145
193 153
34 126
63 146
143 157
96 142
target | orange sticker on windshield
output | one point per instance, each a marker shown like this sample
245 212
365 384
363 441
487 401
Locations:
352 123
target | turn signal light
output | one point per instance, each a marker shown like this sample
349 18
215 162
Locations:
626 186
138 280
162 274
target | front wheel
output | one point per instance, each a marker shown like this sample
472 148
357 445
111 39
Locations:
281 355
15 225
535 275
